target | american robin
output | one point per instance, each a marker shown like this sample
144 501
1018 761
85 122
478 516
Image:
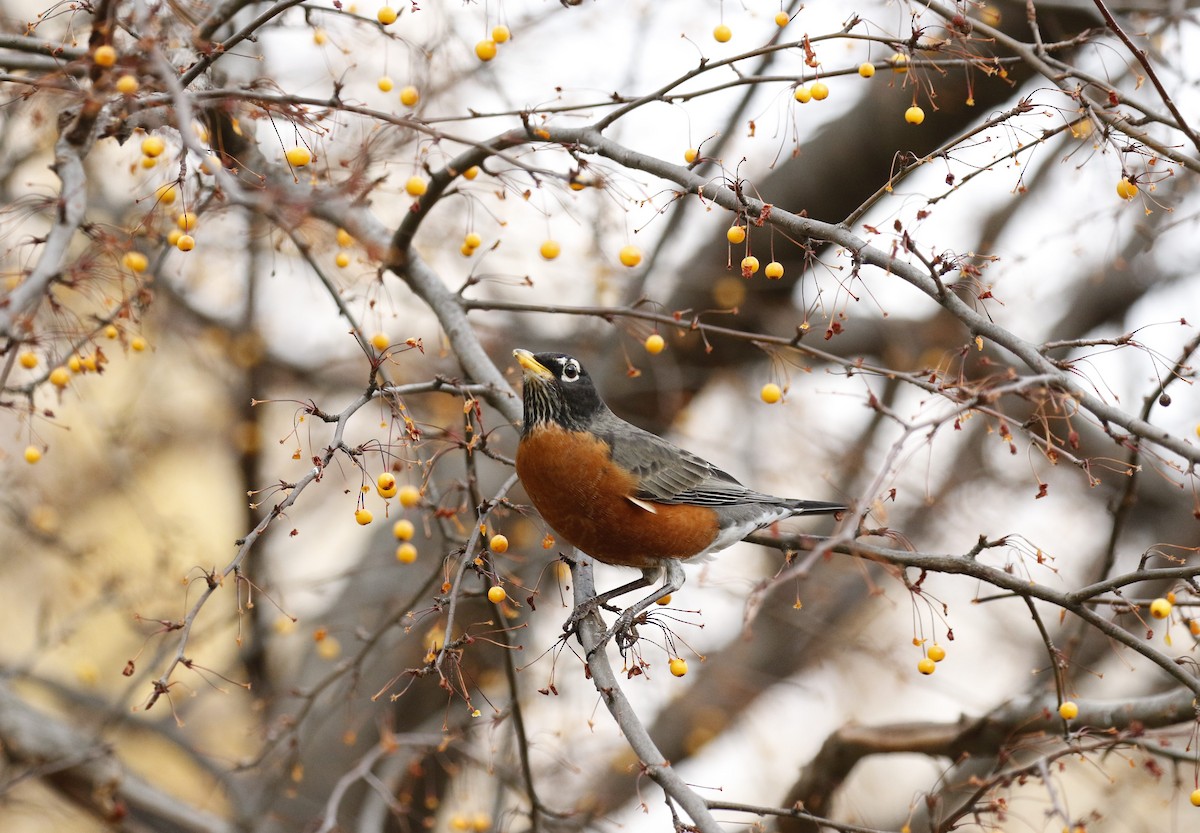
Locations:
625 496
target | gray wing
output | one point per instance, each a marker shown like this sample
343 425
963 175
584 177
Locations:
669 474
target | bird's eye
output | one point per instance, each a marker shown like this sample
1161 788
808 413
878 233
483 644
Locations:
570 371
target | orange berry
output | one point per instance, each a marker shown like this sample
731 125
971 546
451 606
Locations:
782 19
415 186
185 243
153 146
914 115
485 50
28 360
1195 798
691 155
473 240
363 516
403 529
664 601
298 156
1126 190
1068 710
410 496
771 393
722 33
736 234
496 594
135 261
498 543
936 652
550 250
749 265
630 256
385 484
104 56
386 15
678 666
380 341
773 270
926 665
501 34
654 344
471 172
32 454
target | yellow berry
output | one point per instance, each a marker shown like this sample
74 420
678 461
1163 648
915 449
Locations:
415 186
137 344
866 69
59 377
187 220
386 15
153 146
771 393
820 91
185 243
550 250
496 594
344 239
678 666
655 344
298 156
127 85
329 648
471 172
148 163
481 823
385 484
104 56
773 270
363 516
914 115
664 601
749 265
90 364
467 251
1160 608
410 496
1195 798
936 652
380 341
111 331
403 529
473 240
409 96
501 34
782 19
722 33
342 260
75 364
899 62
319 36
1126 190
166 194
498 543
926 665
32 454
485 50
28 360
1068 710
802 95
385 84
406 553
135 261
736 234
173 237
630 256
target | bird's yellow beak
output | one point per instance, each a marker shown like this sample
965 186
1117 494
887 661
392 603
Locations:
531 366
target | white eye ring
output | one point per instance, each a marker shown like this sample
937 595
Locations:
570 371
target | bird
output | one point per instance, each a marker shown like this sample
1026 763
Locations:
623 495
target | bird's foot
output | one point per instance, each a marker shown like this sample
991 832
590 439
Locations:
584 610
624 631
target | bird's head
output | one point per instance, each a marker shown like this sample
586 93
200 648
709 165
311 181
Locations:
557 390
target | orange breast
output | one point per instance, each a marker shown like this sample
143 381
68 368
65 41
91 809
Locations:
573 483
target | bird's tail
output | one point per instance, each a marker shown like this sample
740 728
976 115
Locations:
815 507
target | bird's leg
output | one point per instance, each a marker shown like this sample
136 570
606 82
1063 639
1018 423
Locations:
649 576
672 581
